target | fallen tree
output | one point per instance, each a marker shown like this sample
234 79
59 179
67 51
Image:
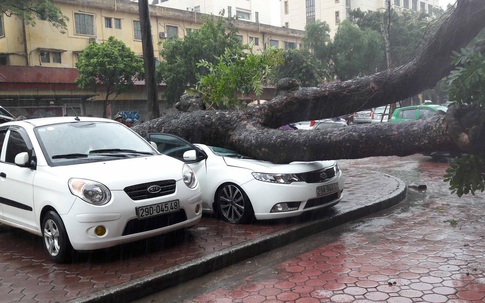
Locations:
254 132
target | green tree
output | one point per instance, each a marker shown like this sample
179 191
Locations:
302 66
409 31
111 65
179 68
237 71
357 52
30 10
466 174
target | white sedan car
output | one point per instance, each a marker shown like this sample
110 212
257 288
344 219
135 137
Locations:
239 189
89 183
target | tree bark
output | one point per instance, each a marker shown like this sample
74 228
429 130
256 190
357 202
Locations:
254 132
149 60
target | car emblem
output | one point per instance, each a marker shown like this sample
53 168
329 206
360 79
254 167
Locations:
154 189
323 176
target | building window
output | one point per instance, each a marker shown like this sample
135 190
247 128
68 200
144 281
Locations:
229 11
290 45
405 4
256 17
337 1
422 7
56 57
3 59
415 5
430 9
239 38
84 24
337 17
45 57
254 40
117 23
243 15
274 43
172 31
136 30
108 22
286 8
310 11
397 2
287 24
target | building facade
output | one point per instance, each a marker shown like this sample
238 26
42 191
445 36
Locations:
265 12
42 50
297 13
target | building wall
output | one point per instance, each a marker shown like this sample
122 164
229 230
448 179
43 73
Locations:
326 10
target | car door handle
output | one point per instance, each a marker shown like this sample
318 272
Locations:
3 175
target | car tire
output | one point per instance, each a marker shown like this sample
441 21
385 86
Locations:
233 205
56 241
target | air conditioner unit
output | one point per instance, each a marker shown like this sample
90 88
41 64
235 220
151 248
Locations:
162 35
93 40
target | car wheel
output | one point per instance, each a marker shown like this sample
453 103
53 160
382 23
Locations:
56 241
233 204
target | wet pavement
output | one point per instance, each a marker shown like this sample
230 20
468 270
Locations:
426 249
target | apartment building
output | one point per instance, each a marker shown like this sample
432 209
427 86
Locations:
266 12
297 13
37 64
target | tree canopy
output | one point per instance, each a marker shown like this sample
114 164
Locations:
180 56
111 65
30 10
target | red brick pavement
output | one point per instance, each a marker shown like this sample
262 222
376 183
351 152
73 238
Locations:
430 248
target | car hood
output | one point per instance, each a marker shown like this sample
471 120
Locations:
269 167
117 174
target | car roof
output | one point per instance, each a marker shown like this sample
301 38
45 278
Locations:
433 106
54 120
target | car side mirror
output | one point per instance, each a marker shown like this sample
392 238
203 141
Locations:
190 155
24 159
154 145
194 155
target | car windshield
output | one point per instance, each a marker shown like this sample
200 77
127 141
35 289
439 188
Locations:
79 142
224 152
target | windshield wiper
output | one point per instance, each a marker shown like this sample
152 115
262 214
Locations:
118 150
70 156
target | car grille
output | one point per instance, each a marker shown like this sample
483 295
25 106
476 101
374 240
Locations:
140 225
142 191
319 175
321 201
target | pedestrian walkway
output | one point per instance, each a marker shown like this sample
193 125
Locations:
429 248
125 273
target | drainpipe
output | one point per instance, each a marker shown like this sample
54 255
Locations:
26 51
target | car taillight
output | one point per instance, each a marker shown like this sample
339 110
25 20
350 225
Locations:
312 122
372 115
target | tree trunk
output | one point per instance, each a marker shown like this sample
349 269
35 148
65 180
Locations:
149 60
254 132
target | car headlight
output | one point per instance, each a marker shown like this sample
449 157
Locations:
276 178
189 177
90 191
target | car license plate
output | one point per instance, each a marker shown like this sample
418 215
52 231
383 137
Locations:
325 189
157 209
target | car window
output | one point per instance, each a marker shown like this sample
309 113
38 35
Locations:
409 114
425 113
2 138
170 145
15 145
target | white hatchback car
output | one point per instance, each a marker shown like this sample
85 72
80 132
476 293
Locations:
239 189
90 183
